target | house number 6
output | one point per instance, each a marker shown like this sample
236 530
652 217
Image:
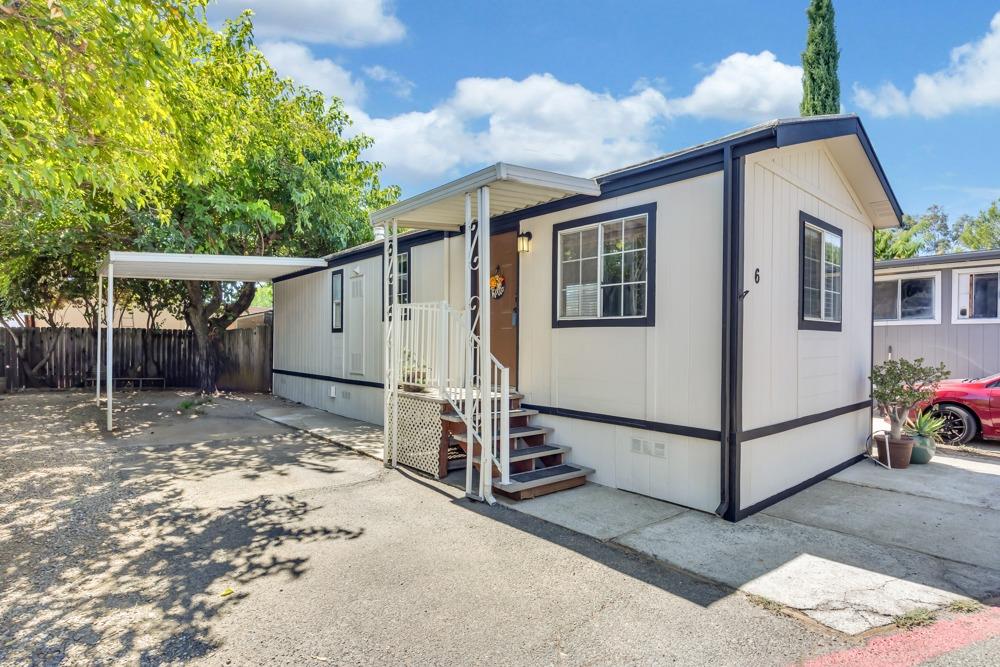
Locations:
756 276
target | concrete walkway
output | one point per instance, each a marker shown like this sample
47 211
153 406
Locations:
850 553
362 437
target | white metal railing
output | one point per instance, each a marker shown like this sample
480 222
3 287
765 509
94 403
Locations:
439 350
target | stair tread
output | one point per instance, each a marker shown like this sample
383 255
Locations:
535 478
536 451
515 432
514 413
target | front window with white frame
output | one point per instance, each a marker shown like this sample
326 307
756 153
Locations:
976 295
913 298
821 275
602 269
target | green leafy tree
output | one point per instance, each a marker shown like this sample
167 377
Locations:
820 82
295 184
93 94
264 298
982 232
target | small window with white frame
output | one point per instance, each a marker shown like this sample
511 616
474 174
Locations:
603 269
913 298
976 295
821 274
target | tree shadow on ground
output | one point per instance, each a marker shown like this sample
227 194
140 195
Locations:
104 558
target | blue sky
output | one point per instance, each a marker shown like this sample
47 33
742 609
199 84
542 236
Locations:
583 87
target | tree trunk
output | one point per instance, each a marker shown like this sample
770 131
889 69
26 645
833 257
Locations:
208 320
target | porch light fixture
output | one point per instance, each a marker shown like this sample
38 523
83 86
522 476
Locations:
524 242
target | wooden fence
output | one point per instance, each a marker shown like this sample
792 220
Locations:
168 354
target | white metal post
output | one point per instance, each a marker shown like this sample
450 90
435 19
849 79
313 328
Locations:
109 324
387 346
470 442
397 357
485 351
97 326
443 350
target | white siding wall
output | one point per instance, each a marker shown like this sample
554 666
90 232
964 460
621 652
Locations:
667 373
303 341
788 373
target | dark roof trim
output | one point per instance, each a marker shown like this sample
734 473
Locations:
931 260
679 166
367 250
708 158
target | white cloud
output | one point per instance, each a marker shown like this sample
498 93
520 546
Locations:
745 86
342 22
401 86
296 61
971 80
538 120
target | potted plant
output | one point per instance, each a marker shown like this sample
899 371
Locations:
924 430
899 386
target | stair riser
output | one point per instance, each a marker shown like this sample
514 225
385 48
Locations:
543 490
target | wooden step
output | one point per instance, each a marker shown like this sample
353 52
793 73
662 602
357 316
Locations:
539 482
514 414
536 452
515 432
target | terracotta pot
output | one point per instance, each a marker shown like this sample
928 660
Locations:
923 449
899 451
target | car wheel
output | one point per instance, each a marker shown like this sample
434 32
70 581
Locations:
959 424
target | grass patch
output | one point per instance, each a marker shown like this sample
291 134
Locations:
964 606
189 403
764 603
915 619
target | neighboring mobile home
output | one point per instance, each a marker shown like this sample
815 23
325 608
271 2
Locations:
944 308
696 328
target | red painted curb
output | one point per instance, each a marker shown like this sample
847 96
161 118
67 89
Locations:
904 649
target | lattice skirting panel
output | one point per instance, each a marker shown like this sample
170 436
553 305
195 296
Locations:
419 434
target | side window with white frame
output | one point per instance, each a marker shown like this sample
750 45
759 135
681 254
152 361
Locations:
908 299
821 274
604 269
337 301
976 295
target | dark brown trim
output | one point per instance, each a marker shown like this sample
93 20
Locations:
649 320
799 422
327 378
801 486
818 325
659 427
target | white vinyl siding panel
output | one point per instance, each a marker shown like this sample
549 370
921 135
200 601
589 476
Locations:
788 373
666 373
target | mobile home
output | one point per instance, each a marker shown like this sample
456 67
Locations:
696 328
944 308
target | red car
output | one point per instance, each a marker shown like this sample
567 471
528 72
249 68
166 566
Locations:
970 408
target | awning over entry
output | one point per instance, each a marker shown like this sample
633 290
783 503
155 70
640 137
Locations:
512 188
180 266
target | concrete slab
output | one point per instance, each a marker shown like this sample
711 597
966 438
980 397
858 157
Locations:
597 511
845 582
962 533
360 436
956 479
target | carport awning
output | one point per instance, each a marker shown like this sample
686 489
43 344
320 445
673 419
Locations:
512 188
180 266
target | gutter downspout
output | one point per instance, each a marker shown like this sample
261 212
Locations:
733 293
725 418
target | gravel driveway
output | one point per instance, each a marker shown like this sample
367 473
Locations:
210 535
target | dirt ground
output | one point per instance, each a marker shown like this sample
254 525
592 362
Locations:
207 534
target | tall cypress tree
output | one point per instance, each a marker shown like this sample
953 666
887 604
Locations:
820 84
